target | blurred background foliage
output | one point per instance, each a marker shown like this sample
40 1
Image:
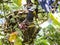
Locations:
49 35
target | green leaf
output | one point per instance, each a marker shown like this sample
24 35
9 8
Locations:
18 41
0 42
17 2
54 19
41 41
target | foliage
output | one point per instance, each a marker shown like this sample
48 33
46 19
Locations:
0 42
41 41
17 2
18 41
50 34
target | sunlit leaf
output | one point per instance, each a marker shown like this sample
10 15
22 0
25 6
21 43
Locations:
17 2
55 19
0 42
18 41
